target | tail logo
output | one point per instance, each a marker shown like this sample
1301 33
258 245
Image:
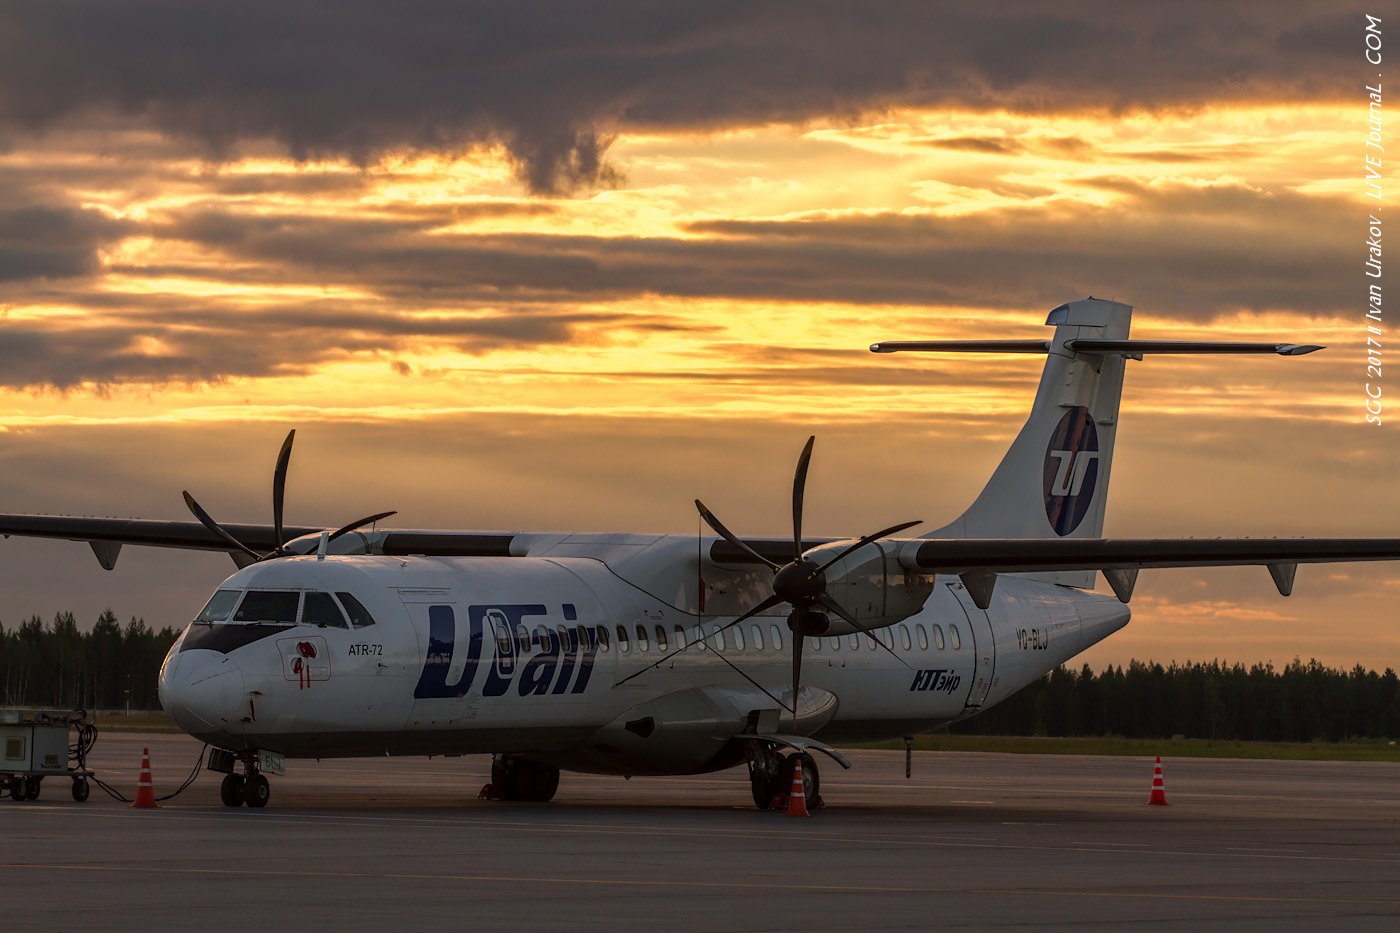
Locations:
1071 470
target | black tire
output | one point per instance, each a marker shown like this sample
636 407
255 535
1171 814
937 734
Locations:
256 791
81 790
16 787
231 790
765 781
31 788
543 783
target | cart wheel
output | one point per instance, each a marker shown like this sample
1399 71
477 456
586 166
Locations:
81 789
31 788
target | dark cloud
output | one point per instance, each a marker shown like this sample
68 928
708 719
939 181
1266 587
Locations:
44 242
163 340
552 80
1185 250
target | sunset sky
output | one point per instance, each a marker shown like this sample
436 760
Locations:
548 266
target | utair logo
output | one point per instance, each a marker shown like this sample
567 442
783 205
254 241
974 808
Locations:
1071 470
564 665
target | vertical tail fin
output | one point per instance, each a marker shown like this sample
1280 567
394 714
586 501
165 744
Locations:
1053 481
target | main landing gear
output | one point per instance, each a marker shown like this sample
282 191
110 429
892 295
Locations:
770 778
515 778
251 787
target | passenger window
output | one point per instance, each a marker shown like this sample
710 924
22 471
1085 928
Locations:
661 644
938 637
320 609
541 639
886 637
680 636
775 636
603 639
954 637
758 637
834 643
622 643
922 636
219 606
359 615
505 644
642 644
871 639
522 637
738 631
719 637
853 641
815 644
262 606
904 637
566 639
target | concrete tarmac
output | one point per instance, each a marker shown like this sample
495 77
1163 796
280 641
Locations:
973 840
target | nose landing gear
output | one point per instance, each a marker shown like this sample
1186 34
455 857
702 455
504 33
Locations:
251 787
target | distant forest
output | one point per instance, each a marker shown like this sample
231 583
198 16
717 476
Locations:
57 665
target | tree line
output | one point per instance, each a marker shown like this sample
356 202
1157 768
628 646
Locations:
112 666
1302 702
60 666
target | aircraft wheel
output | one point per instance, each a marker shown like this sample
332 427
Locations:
16 787
765 781
256 790
81 789
543 783
231 790
31 788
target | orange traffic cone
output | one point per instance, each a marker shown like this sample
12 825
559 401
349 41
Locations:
145 790
797 797
1159 787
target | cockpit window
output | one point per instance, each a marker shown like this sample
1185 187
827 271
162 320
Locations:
359 615
219 606
268 606
320 609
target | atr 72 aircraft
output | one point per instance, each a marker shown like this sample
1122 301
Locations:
663 654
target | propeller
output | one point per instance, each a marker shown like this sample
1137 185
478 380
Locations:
801 583
279 492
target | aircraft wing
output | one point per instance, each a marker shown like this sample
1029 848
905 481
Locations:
107 535
978 560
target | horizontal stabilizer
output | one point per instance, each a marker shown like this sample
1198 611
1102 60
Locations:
1091 345
1020 555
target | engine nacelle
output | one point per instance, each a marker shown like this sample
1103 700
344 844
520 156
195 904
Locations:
872 585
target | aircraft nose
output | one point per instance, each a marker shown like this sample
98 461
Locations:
204 692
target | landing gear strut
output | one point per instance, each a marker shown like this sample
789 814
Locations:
251 787
515 778
770 777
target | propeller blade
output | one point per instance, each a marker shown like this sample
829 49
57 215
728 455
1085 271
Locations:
830 603
768 603
760 686
797 638
799 489
208 522
367 520
279 489
728 535
868 539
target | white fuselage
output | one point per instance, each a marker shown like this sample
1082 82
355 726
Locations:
523 655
